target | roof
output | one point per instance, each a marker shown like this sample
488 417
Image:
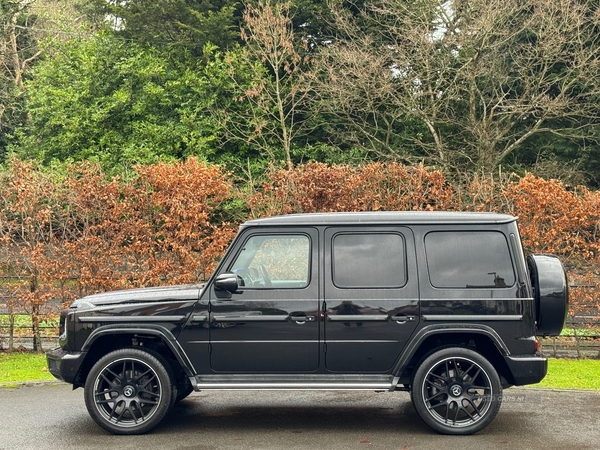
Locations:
384 218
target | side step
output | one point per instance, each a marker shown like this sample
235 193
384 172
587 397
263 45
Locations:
295 382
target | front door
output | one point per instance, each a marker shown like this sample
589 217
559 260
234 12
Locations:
371 297
271 324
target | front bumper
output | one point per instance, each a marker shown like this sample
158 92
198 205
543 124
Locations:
64 365
527 369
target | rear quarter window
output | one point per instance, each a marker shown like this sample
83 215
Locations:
465 259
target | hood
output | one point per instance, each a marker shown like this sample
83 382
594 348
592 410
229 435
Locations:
141 295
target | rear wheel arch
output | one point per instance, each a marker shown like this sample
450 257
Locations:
488 345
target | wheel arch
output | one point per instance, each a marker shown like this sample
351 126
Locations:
480 338
104 340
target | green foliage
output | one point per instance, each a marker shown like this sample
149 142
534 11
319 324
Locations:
182 26
17 50
118 103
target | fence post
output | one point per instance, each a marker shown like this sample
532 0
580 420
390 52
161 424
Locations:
11 331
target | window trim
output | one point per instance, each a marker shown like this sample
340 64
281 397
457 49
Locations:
467 287
276 234
371 233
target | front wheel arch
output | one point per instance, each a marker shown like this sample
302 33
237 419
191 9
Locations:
110 338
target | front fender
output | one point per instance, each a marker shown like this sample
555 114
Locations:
153 330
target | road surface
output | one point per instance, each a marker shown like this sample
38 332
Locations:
52 416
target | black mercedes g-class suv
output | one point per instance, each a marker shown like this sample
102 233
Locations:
442 304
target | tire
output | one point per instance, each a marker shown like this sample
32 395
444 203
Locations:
456 391
551 293
129 391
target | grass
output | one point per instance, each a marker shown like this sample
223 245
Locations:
572 374
24 321
16 368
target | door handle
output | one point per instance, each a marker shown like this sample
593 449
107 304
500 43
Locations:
302 319
402 319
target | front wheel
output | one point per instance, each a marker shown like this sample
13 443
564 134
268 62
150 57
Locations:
456 391
129 391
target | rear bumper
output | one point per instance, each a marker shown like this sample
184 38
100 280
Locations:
64 365
527 369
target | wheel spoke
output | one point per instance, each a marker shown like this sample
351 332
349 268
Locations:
474 406
438 405
143 386
115 375
143 375
110 382
435 385
468 413
428 400
153 394
132 410
448 371
458 408
141 410
476 374
484 388
105 401
132 375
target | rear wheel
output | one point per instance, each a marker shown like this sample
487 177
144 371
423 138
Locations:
129 391
455 390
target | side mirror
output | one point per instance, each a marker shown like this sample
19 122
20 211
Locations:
226 282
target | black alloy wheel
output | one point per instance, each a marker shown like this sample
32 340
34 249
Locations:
456 391
129 391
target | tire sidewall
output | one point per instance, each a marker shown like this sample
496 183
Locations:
431 361
165 377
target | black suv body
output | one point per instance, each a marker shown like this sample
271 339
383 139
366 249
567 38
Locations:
442 304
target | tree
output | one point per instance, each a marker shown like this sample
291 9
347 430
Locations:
268 84
116 102
463 84
24 25
180 26
18 50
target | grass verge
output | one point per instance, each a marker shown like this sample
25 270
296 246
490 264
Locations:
572 374
17 368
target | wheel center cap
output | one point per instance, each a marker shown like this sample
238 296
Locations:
128 391
456 390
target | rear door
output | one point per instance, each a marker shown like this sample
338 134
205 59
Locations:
371 297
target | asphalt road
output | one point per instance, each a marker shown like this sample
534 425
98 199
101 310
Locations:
54 417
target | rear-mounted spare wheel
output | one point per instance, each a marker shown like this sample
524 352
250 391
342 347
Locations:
551 293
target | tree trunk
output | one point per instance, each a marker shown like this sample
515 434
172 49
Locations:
14 53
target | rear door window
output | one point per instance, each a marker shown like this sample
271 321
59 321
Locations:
369 260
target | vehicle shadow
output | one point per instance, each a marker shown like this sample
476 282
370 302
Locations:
292 413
